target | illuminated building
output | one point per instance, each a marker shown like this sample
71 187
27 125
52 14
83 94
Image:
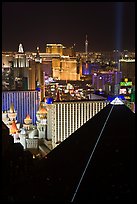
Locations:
13 130
25 102
54 48
64 66
18 64
12 114
30 75
127 67
40 75
106 80
28 122
86 68
64 118
9 116
28 135
29 69
6 58
68 69
126 88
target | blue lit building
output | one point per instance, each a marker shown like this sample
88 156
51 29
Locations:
86 68
106 80
25 102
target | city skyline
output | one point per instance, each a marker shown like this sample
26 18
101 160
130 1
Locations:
108 25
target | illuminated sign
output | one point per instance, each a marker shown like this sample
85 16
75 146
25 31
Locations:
122 91
111 98
117 101
126 79
128 83
127 97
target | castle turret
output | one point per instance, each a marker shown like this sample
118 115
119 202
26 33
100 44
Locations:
12 113
14 131
42 122
28 122
13 128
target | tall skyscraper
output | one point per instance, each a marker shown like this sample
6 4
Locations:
127 67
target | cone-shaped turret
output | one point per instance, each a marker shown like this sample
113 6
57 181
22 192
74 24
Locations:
28 120
13 128
41 113
42 109
12 113
12 110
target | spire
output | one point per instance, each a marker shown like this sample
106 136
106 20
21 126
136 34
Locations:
28 116
37 55
41 114
20 48
12 110
42 109
86 45
28 120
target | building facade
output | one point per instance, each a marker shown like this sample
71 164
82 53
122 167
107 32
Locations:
25 102
64 118
127 67
106 80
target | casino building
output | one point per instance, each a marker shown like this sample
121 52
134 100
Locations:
25 102
64 118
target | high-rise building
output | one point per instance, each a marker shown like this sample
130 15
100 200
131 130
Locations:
54 48
25 102
64 118
106 80
127 67
29 69
64 62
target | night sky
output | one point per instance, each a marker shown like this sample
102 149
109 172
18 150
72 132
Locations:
108 25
